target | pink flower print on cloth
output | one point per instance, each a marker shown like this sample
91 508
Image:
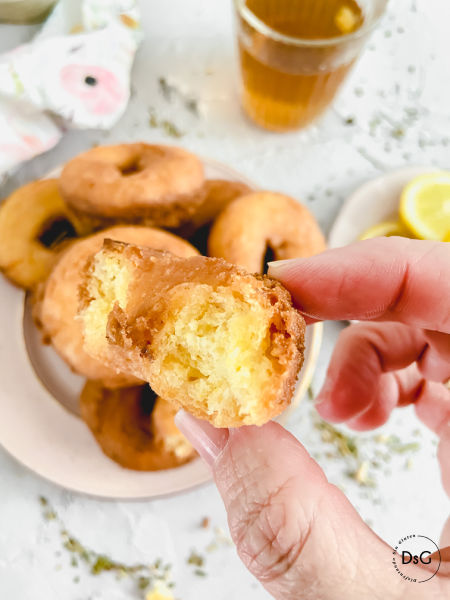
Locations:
99 89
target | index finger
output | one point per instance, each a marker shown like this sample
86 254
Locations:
383 279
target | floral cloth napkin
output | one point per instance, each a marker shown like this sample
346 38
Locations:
75 73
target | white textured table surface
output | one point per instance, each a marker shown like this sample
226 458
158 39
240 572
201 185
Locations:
393 111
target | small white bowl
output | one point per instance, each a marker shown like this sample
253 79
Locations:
373 202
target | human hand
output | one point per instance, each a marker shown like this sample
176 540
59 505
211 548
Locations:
297 533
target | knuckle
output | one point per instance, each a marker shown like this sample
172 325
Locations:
268 535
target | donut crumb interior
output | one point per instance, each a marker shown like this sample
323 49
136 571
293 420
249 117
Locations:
215 345
107 286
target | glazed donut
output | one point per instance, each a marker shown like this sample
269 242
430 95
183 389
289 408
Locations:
57 307
262 221
221 343
33 221
134 428
133 183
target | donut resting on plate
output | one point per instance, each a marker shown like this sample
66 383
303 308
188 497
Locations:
134 427
33 222
132 183
57 306
209 337
253 224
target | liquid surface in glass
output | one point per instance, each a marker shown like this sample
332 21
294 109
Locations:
287 86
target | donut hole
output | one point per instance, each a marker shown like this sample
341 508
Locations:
269 256
215 346
200 239
147 401
55 231
131 167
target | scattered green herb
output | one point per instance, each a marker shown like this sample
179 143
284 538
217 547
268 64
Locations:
170 91
167 90
195 559
171 129
143 583
153 121
345 445
167 126
398 133
361 459
144 575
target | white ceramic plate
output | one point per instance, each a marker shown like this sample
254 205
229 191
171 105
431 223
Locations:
373 202
39 422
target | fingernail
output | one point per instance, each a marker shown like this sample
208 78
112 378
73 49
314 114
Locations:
277 267
209 441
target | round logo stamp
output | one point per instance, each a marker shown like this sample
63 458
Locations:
414 551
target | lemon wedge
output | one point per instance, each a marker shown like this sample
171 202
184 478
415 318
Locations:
387 229
425 206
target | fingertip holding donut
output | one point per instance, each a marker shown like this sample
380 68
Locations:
33 222
255 223
209 337
57 306
134 428
133 183
209 441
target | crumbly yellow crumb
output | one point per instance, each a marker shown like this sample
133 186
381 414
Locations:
217 344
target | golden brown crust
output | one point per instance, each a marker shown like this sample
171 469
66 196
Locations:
134 429
57 309
217 194
133 183
132 331
24 217
251 224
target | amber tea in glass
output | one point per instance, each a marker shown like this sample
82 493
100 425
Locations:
294 54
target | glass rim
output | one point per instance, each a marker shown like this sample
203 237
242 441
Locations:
261 27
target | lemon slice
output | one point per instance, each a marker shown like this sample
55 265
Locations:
386 228
447 237
425 205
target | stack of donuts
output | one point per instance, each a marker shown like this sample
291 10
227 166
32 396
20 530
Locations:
150 195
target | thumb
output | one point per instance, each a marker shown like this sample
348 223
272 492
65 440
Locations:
295 532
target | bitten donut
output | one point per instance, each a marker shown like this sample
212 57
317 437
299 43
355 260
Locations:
57 308
134 428
208 336
252 225
133 183
33 221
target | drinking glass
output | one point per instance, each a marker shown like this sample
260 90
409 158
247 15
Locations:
295 54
